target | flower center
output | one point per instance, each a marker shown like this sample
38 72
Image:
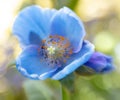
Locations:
55 50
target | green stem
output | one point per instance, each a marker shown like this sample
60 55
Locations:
64 93
67 86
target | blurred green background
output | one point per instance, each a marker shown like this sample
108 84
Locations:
102 23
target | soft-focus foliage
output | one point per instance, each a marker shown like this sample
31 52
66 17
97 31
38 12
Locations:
102 23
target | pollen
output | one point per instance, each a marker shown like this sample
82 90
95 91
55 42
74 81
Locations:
55 50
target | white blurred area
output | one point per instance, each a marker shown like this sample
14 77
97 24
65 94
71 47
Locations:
7 13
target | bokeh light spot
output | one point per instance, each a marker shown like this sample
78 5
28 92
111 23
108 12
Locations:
104 42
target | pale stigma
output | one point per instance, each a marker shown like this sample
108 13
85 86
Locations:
51 50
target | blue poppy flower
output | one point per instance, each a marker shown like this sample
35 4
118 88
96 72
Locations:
52 42
100 63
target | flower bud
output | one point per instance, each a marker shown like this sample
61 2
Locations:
101 63
98 63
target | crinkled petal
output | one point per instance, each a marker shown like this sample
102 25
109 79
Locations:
30 64
67 24
75 61
32 22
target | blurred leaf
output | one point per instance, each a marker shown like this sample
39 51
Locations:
68 82
61 3
99 88
67 86
114 94
37 90
85 71
12 64
56 88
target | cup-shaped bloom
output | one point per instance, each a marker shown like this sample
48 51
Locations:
52 42
100 62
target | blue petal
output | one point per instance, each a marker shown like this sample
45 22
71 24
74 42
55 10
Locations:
29 64
75 61
35 20
67 24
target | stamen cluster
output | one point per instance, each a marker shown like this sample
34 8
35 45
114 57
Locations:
55 50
